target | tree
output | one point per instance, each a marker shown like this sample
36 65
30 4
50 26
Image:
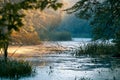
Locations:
11 17
104 17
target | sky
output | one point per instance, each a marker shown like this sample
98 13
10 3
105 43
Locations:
69 3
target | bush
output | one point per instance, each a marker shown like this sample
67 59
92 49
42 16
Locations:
14 68
95 48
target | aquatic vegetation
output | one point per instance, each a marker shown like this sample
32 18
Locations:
95 48
85 78
15 68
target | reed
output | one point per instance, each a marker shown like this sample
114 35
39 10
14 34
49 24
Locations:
95 48
15 68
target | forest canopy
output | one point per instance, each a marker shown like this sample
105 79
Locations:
103 15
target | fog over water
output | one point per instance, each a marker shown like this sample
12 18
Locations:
66 66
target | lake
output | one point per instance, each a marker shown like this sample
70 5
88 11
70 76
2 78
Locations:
66 66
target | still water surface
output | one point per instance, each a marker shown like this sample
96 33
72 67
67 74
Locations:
65 66
68 67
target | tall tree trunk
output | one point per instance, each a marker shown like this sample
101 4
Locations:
6 51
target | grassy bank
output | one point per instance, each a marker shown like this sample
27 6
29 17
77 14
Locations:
97 49
15 69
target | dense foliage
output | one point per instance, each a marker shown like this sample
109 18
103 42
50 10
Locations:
104 17
11 17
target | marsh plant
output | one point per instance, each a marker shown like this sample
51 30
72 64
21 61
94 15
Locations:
15 68
96 48
85 78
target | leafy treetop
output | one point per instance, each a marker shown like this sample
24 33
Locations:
104 16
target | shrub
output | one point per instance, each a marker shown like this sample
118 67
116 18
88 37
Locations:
14 68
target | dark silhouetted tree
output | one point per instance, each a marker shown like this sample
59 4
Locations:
11 17
104 17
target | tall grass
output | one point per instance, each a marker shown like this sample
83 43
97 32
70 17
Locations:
15 69
95 48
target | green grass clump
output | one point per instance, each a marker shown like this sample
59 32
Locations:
95 48
14 68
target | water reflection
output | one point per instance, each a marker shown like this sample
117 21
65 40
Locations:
68 67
